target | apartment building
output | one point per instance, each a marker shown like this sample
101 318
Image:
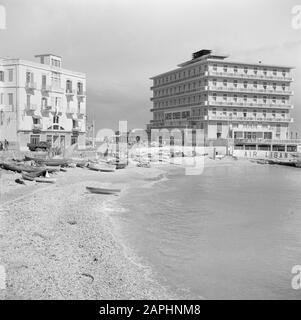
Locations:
41 101
227 99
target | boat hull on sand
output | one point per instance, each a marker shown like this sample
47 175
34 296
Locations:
102 190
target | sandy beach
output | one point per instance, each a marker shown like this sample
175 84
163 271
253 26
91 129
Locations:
57 242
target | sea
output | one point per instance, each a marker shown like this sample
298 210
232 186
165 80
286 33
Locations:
232 232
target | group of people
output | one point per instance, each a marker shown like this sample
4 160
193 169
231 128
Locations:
4 145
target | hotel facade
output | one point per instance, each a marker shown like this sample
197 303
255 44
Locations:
41 101
228 100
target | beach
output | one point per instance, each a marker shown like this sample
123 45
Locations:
57 241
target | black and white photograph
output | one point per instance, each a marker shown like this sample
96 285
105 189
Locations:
150 150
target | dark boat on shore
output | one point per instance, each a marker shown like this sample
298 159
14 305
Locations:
102 190
48 162
29 177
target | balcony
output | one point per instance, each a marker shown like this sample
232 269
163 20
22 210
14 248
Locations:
270 141
81 93
47 108
37 127
247 119
70 92
249 90
76 129
247 76
30 107
30 85
57 88
248 105
46 88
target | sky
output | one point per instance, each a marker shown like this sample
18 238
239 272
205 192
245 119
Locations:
120 44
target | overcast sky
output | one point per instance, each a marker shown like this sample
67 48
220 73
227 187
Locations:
120 44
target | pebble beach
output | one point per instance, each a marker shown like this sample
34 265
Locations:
57 241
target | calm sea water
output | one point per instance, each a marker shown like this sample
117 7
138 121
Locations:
233 232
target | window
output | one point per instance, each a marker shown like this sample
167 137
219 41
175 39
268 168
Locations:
265 72
245 84
283 114
235 98
235 112
2 76
255 70
68 86
214 111
214 82
274 72
254 113
10 99
264 99
215 67
56 63
283 73
34 139
255 84
283 100
56 119
1 117
1 98
235 83
274 100
225 82
224 112
235 69
245 98
74 139
214 96
264 85
168 116
274 113
283 86
245 70
225 68
274 86
10 75
264 113
225 97
245 113
255 99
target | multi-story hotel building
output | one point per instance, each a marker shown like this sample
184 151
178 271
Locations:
41 101
227 99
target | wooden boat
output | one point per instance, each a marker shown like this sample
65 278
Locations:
107 168
48 162
20 167
93 166
45 180
28 177
103 190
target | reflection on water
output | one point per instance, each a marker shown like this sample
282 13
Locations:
232 232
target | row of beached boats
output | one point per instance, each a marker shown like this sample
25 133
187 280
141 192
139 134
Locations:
38 170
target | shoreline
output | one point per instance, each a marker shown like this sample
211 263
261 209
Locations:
42 240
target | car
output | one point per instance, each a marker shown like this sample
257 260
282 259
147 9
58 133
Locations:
40 146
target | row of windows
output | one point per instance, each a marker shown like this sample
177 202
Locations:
225 83
223 98
224 112
200 69
10 75
252 70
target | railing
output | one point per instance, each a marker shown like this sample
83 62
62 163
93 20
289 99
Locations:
57 88
30 85
247 90
76 128
70 92
30 107
247 76
47 107
248 104
255 119
46 87
81 93
37 126
271 141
